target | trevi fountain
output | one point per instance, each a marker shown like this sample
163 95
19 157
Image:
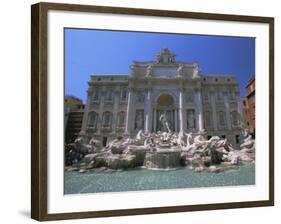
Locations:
161 160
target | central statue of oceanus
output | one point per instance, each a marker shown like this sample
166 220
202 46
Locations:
164 122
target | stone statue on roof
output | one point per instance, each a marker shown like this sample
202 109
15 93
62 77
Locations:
165 56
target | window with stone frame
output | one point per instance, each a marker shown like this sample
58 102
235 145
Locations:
189 97
107 119
235 118
219 95
121 118
123 94
232 95
222 120
96 95
206 95
109 95
93 118
233 105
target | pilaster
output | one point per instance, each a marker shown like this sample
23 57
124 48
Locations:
199 109
148 111
214 111
115 109
181 118
227 112
130 118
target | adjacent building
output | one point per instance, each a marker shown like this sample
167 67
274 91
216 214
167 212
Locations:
73 116
250 115
120 105
243 108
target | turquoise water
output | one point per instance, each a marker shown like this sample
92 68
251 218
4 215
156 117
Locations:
143 179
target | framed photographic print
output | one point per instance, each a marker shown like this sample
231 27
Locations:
139 111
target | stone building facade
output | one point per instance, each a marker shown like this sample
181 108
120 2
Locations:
73 117
119 105
251 110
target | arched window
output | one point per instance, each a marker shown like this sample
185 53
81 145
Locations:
107 119
93 119
235 118
221 118
121 118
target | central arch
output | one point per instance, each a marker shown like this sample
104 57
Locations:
165 100
165 103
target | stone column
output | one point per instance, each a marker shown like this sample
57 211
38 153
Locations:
115 110
227 112
100 113
154 119
176 119
181 121
148 112
173 120
199 109
129 117
214 111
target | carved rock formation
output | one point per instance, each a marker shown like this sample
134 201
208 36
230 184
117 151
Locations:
162 150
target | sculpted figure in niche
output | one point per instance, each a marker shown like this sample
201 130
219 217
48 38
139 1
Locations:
165 126
190 119
139 120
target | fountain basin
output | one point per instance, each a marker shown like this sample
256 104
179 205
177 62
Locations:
162 159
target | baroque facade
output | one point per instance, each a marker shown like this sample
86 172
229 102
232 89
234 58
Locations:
120 105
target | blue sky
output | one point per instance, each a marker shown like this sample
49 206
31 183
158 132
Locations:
89 52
